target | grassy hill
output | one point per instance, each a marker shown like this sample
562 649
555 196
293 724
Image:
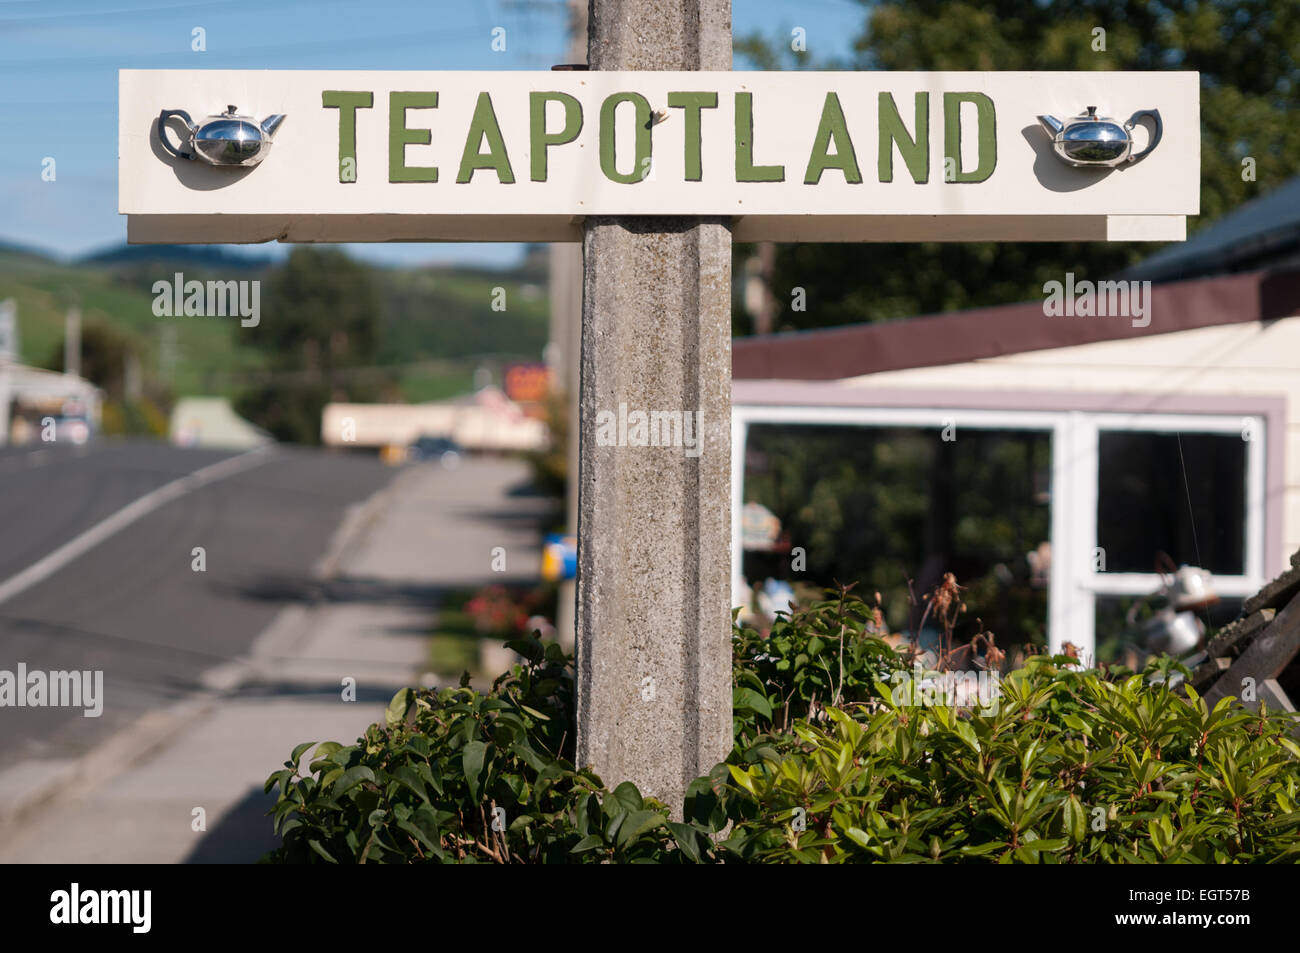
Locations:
207 360
438 324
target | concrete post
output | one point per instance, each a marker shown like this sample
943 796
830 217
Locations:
654 522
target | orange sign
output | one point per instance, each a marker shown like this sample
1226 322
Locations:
527 382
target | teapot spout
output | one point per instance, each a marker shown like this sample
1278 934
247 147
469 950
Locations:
1053 125
271 123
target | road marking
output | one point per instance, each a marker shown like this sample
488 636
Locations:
151 501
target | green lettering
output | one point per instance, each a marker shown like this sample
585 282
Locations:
915 152
539 139
608 161
399 137
693 103
484 125
832 127
746 171
987 132
347 103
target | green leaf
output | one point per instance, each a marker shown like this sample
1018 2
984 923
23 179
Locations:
315 845
746 699
742 778
858 836
628 797
330 777
967 734
637 823
472 763
589 842
1073 819
688 840
396 712
410 778
350 779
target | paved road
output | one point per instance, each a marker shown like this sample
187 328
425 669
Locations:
133 606
132 799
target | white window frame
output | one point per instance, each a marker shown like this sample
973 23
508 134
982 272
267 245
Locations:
1073 585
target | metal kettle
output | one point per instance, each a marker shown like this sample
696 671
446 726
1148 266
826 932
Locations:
1092 140
226 139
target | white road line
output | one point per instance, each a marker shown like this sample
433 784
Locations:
47 566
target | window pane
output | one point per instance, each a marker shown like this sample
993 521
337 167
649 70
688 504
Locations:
1117 643
1142 500
880 505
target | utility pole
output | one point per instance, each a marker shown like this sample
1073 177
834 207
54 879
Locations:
654 600
72 341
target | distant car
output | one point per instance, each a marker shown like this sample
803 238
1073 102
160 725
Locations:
445 451
74 430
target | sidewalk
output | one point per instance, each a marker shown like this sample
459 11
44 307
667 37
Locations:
429 530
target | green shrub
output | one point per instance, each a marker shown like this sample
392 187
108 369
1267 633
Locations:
829 653
426 786
834 762
1070 767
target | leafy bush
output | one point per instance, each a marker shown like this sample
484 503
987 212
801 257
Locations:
829 653
1068 767
834 762
457 776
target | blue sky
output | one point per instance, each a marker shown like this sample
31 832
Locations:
59 62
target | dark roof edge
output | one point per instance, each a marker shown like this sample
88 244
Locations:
931 341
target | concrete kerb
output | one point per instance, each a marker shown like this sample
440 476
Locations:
152 731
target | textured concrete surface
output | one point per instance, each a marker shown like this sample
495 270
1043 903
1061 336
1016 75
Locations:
659 34
654 657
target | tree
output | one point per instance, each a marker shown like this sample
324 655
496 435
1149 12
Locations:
104 352
1248 54
321 318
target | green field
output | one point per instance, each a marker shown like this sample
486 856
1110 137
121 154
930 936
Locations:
437 325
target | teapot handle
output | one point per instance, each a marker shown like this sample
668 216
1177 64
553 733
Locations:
1154 115
165 115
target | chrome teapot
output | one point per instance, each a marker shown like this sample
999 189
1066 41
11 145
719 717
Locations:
226 139
1092 140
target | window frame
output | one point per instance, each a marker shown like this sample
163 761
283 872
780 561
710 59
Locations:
1073 584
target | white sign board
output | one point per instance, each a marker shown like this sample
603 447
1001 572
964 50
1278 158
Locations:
525 156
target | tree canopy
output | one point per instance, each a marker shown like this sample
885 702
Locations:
1248 55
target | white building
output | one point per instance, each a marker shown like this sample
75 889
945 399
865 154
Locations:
485 420
30 394
1217 372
